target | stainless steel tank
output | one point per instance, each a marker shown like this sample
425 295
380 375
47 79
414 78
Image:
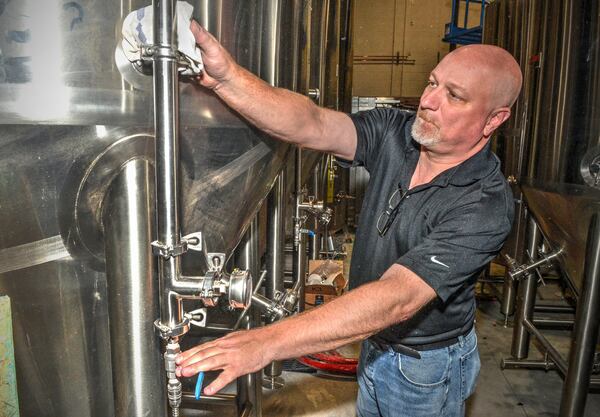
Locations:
71 131
551 152
550 146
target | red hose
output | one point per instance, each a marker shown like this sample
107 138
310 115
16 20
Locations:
334 357
330 362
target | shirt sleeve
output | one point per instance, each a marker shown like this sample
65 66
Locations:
372 130
461 243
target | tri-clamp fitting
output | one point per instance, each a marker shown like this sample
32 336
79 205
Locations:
216 283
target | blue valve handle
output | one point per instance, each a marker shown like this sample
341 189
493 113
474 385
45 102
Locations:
199 381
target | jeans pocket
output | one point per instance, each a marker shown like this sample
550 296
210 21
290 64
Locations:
430 371
470 365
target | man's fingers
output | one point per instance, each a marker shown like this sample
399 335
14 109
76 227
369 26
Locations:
203 37
218 384
198 31
201 356
183 356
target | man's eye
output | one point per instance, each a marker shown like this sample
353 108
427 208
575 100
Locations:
454 96
431 83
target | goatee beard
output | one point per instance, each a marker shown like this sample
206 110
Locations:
423 134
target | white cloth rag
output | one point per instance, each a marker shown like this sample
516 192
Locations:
137 32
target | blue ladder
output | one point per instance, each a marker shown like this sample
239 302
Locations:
464 35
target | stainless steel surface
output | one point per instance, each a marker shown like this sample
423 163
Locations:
551 139
68 124
128 220
550 148
553 207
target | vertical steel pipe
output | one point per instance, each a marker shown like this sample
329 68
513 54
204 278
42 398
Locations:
269 64
299 265
247 257
166 123
275 257
315 239
132 293
587 323
526 296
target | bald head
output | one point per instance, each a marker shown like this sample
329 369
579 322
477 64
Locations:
499 71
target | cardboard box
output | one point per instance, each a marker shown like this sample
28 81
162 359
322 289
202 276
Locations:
325 282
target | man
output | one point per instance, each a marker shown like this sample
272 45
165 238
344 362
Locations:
437 210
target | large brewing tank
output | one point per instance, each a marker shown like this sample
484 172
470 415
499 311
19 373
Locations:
68 124
550 147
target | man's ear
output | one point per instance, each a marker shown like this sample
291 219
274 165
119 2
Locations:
495 119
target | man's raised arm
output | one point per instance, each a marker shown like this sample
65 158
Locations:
281 113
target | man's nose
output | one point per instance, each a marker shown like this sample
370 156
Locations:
430 99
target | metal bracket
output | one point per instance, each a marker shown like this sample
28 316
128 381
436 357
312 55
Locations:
160 249
195 241
215 261
197 317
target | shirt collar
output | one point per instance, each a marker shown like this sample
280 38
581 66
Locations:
467 172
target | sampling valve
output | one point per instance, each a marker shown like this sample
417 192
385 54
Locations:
317 209
174 391
517 272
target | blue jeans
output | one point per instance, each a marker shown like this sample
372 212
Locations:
395 385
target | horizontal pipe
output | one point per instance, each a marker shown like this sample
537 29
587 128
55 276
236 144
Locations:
541 365
546 365
217 399
491 281
554 309
554 323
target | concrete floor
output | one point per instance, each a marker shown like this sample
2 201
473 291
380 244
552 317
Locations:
500 393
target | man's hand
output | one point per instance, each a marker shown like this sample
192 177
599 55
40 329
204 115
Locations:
237 354
219 66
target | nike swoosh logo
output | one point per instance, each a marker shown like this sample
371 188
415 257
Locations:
435 261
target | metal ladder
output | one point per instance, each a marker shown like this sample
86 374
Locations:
464 35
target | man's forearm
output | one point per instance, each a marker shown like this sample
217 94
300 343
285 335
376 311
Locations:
280 113
352 317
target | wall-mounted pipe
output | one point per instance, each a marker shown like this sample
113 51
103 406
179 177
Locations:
128 220
166 125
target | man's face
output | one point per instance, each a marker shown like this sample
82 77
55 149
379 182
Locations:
454 107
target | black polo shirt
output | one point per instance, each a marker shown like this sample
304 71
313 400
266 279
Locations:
446 231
